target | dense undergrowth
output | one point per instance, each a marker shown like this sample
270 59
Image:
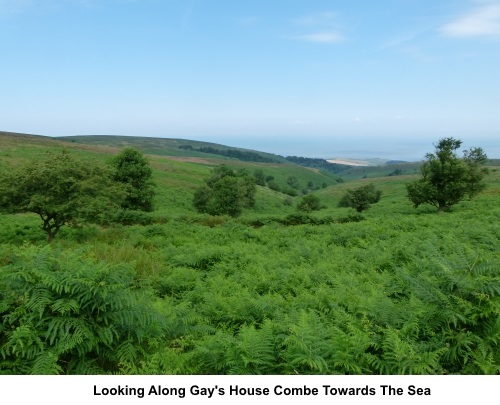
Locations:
395 291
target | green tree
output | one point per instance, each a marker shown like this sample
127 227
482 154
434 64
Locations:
309 203
260 177
225 193
62 190
133 170
361 198
446 178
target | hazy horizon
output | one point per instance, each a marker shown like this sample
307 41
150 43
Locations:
370 148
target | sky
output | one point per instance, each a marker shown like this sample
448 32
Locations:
317 78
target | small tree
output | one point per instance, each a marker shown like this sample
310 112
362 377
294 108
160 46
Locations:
309 203
361 198
61 190
133 170
225 193
260 177
446 178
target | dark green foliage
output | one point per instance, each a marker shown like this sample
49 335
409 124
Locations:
273 185
462 301
446 178
309 203
260 177
128 217
244 155
62 314
132 169
62 190
302 218
354 217
317 163
225 193
396 172
361 198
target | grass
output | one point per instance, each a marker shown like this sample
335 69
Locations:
344 297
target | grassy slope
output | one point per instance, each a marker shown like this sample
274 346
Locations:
158 146
177 177
333 286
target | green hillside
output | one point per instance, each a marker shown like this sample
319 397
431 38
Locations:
394 290
167 146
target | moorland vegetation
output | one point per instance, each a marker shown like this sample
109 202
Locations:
292 284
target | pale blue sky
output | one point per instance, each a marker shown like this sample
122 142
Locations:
295 77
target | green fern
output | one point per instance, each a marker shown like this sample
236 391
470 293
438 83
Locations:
71 314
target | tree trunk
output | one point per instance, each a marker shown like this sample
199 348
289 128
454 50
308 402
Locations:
50 236
51 229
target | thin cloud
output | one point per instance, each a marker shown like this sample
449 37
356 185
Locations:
482 21
322 28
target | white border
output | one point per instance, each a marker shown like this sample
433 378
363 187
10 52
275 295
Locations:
66 390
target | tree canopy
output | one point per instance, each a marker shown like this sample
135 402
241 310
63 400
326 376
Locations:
61 189
361 198
225 193
446 178
133 170
309 203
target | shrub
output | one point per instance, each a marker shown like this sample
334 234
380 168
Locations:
225 193
361 198
309 203
132 169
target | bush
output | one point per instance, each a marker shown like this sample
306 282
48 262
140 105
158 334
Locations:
361 198
132 169
225 193
273 185
129 217
309 203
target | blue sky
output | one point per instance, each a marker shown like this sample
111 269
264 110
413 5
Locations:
294 77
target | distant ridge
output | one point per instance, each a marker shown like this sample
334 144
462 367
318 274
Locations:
177 147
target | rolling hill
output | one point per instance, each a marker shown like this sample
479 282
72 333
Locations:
396 290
